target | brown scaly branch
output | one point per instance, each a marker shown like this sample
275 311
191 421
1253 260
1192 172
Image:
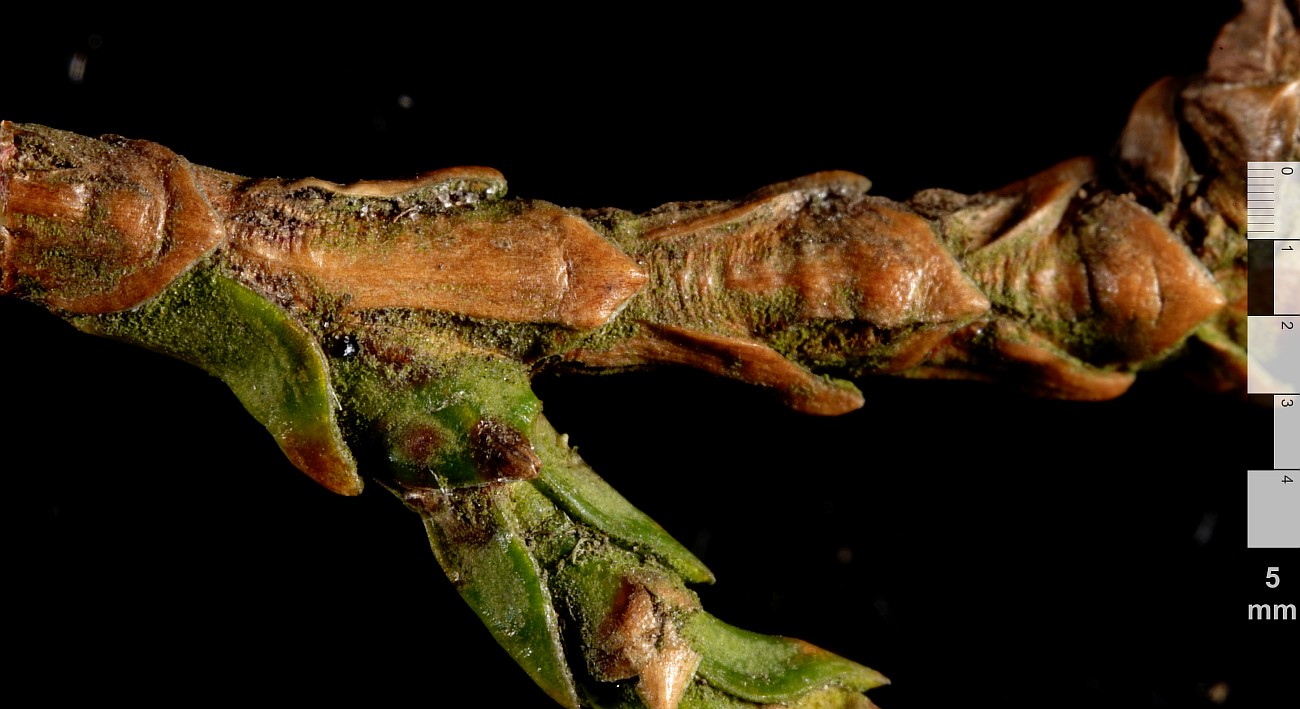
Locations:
1062 285
1059 284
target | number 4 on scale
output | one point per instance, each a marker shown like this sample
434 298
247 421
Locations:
1286 479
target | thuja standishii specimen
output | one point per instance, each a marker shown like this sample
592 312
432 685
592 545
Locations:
391 328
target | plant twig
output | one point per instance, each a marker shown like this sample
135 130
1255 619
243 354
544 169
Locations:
759 289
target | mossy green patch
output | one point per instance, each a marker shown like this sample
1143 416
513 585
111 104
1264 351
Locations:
425 414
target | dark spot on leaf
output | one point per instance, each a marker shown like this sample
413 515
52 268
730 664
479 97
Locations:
501 452
420 442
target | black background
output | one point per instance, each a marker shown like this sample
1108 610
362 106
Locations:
972 544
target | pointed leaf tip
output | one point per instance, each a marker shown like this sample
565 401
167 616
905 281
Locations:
771 669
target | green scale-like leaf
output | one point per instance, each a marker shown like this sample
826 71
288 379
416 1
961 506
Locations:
770 669
479 544
268 360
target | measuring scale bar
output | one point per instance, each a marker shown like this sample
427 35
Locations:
1273 347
